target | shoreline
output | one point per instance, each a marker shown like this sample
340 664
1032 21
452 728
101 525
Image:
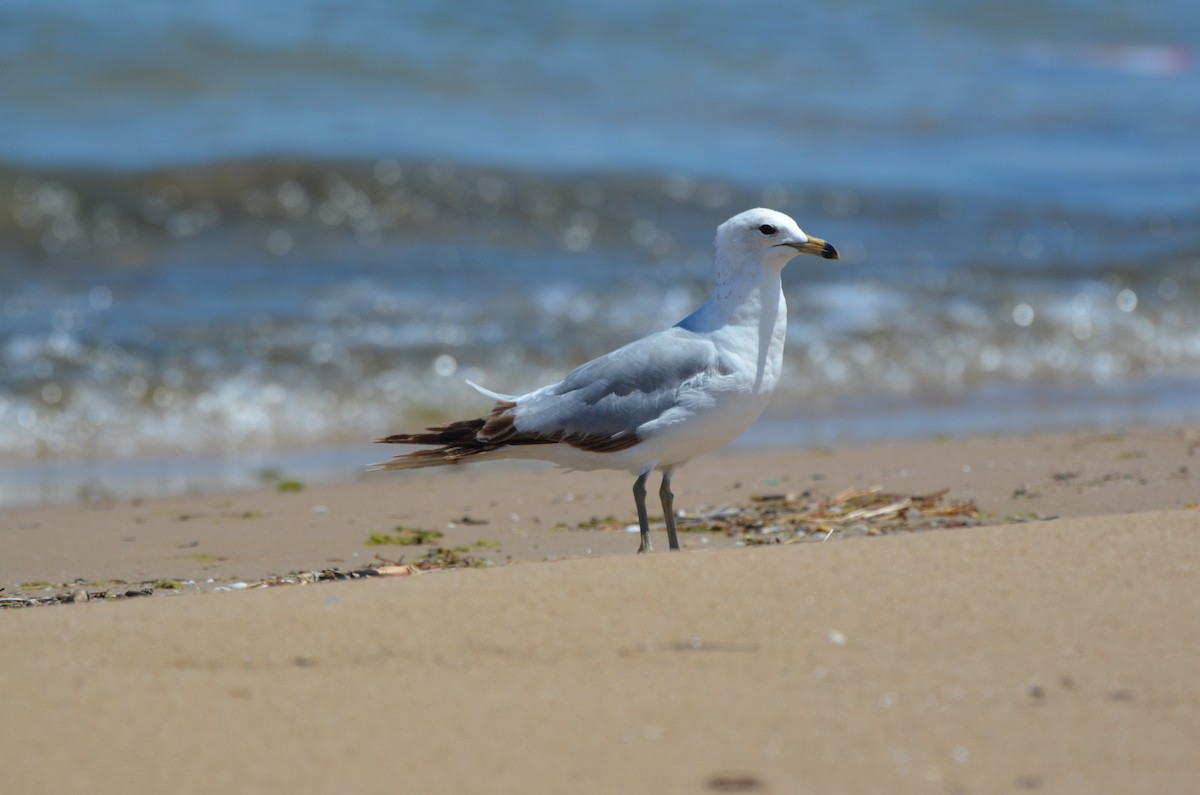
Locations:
999 411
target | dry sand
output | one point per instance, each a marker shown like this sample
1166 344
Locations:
1049 655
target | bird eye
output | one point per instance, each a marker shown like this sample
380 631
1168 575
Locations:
767 229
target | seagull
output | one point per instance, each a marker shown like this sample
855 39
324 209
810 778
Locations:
660 401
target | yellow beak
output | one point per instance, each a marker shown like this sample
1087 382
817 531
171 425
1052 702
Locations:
817 247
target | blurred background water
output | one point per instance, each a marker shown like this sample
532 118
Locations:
234 234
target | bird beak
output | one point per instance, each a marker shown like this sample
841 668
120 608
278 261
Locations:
816 246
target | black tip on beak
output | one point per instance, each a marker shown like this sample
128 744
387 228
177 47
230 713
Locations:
829 252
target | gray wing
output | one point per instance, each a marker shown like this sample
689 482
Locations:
610 397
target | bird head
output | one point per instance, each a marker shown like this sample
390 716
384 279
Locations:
767 237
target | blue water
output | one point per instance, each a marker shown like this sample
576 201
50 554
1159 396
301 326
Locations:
1001 99
255 227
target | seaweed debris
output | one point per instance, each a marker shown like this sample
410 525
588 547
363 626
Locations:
436 559
787 518
781 518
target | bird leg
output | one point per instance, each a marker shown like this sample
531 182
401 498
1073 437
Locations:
639 499
668 504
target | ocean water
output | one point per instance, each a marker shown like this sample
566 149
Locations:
243 234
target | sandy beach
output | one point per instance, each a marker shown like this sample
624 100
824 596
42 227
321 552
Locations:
1048 644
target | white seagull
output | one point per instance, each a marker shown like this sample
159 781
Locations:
658 402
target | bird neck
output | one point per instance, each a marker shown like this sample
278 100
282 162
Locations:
741 297
748 312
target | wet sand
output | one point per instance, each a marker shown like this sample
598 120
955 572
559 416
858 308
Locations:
1027 654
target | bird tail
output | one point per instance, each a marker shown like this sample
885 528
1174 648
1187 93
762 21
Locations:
456 441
